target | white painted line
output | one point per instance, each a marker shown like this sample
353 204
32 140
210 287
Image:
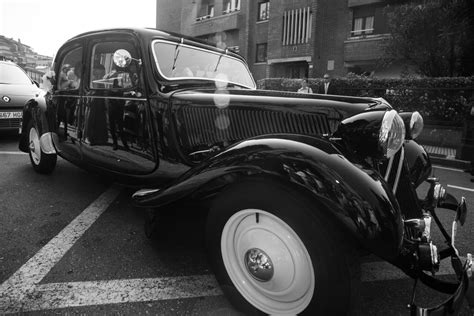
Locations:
446 168
12 153
75 294
460 188
23 281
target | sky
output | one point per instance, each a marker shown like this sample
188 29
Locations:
45 25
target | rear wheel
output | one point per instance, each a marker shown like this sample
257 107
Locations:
272 255
41 162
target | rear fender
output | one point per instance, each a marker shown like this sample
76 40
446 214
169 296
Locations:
356 196
35 109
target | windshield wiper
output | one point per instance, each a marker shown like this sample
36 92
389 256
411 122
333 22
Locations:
219 60
176 54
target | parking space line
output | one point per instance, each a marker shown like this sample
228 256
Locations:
76 294
23 281
93 293
13 153
460 188
447 168
22 291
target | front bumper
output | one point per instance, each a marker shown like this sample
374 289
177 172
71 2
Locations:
464 289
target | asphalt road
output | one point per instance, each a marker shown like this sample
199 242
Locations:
72 243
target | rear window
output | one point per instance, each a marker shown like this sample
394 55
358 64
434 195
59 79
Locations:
12 74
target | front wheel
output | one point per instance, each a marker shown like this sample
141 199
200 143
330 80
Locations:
272 253
41 162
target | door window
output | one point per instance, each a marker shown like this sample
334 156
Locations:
70 71
104 74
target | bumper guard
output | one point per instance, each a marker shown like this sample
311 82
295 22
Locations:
464 288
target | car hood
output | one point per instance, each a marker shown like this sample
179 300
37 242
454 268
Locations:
18 94
339 106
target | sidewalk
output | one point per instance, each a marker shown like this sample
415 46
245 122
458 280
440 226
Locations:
446 157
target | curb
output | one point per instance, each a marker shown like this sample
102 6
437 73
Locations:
452 163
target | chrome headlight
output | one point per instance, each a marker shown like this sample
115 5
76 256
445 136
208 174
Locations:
413 124
392 133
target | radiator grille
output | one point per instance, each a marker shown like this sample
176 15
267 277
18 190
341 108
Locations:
205 126
10 123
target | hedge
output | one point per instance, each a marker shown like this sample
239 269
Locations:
441 101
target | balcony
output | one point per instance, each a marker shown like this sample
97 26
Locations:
217 24
364 48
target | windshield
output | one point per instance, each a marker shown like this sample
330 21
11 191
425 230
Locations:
12 74
179 61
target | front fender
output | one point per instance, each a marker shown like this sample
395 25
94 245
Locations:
356 196
419 164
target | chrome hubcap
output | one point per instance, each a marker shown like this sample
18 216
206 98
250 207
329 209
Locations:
278 280
259 264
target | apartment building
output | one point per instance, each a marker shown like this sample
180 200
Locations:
21 54
288 38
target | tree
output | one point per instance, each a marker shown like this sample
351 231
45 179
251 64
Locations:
437 36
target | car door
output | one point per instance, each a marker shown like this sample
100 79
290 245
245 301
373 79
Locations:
116 127
67 99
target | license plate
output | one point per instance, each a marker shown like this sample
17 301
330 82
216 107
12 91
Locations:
10 115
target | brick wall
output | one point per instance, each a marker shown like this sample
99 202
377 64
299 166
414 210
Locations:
332 29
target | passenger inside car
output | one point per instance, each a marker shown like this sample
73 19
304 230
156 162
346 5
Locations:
98 73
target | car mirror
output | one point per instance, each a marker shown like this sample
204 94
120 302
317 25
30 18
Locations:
122 58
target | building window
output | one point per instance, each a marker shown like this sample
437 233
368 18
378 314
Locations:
263 11
231 6
261 53
206 10
363 21
297 26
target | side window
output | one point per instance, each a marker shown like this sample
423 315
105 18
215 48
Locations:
70 71
104 74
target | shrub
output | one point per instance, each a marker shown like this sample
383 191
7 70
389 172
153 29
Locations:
442 101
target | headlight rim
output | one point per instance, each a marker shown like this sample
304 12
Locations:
390 121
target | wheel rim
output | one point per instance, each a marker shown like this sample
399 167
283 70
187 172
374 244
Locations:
267 262
35 149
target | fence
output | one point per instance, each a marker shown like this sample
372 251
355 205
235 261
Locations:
34 74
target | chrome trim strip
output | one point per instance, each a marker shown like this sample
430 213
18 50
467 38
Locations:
389 167
115 98
144 192
66 95
100 97
399 170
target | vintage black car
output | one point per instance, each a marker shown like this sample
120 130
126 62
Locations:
298 186
16 88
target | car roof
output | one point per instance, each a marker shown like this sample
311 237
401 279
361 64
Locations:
150 34
7 62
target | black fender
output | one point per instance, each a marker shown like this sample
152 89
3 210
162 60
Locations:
418 160
355 196
34 109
